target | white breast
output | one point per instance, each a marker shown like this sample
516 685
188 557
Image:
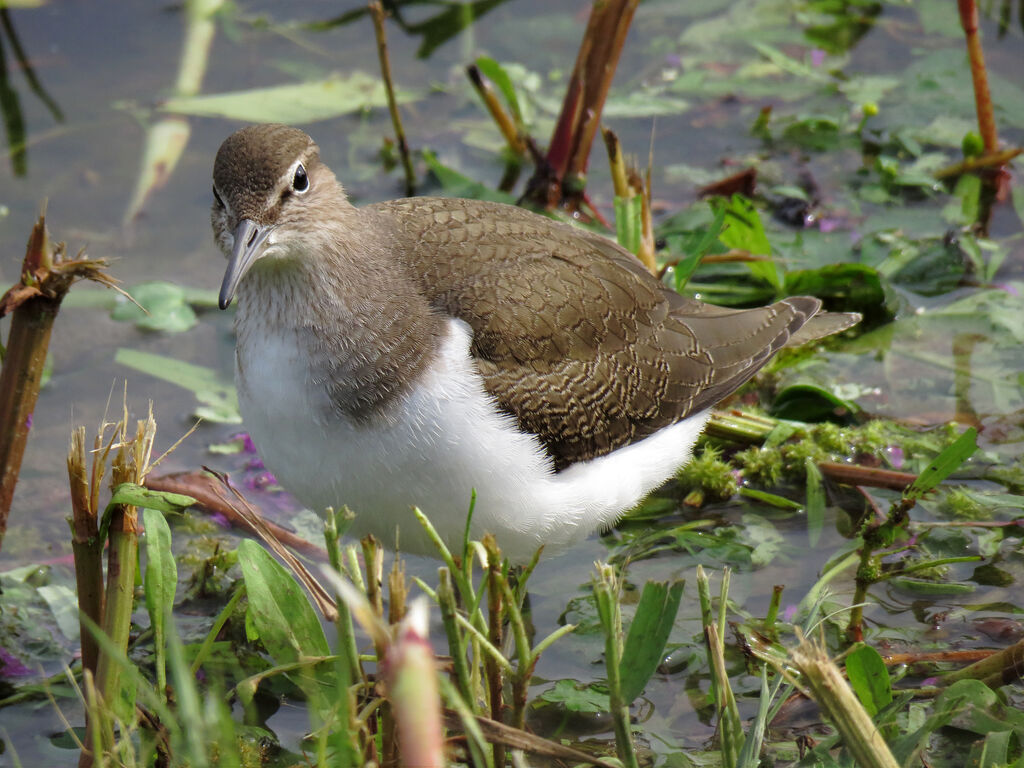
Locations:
444 439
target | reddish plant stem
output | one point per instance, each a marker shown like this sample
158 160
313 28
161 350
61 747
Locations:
979 75
561 179
27 342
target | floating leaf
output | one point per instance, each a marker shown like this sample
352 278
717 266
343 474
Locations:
576 697
648 633
641 103
294 103
847 288
220 403
63 603
164 307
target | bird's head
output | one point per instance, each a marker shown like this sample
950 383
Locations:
268 183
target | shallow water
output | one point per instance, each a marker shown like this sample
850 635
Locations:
107 65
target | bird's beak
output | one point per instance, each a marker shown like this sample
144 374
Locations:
249 240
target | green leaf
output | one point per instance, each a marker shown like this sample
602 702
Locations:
815 502
944 464
140 496
496 73
648 633
627 222
576 697
164 308
743 228
294 103
772 499
687 266
643 103
287 625
811 403
160 585
744 231
456 184
220 403
286 621
869 678
963 209
847 288
63 604
927 588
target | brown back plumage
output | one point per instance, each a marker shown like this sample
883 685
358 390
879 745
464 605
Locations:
571 335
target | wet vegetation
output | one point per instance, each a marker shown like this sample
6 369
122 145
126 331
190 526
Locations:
832 581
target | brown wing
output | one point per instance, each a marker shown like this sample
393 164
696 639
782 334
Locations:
571 335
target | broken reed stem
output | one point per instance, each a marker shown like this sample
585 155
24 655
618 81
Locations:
378 15
495 617
633 226
33 303
22 372
130 464
373 556
826 685
607 597
87 548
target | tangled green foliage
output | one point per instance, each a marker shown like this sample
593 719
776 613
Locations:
783 455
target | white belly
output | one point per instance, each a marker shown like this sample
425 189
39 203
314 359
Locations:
444 440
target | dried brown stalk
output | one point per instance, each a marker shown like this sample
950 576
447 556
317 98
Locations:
505 122
207 490
243 510
853 474
999 669
515 738
46 276
378 14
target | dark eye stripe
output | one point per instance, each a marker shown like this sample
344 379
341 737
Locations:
217 197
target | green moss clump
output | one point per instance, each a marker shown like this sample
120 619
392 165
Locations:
709 474
760 465
795 455
832 438
965 506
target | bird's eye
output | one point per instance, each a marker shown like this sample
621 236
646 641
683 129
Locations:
300 183
216 197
